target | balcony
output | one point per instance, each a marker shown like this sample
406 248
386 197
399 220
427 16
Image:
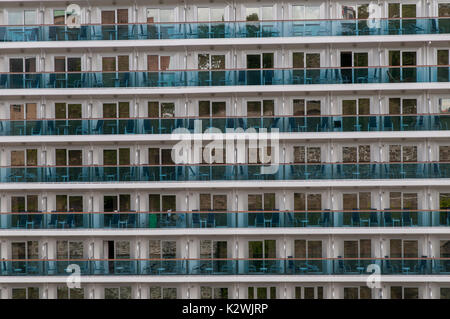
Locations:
229 77
223 172
226 30
254 266
226 219
284 124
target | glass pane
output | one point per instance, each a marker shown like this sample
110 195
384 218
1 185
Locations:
410 249
298 12
61 203
444 153
17 204
444 105
154 249
268 107
124 156
166 157
252 14
109 157
205 292
170 293
153 156
166 15
348 12
364 153
202 14
220 202
350 293
300 248
444 9
217 14
299 154
61 157
124 62
18 158
155 293
350 201
253 61
268 60
169 249
74 64
299 202
32 157
314 249
410 153
363 11
349 107
267 13
59 16
19 293
411 293
312 12
124 109
16 65
60 110
218 62
30 65
108 17
313 107
15 18
169 202
167 109
364 106
314 202
396 248
254 202
394 58
394 10
269 201
205 202
395 152
152 62
203 62
109 110
365 248
204 108
60 64
152 15
313 155
154 203
408 10
165 63
409 58
299 107
349 154
153 109
253 108
124 203
122 249
218 109
396 293
16 112
395 200
74 111
108 64
409 106
442 57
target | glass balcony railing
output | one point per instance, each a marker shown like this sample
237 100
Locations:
220 172
287 124
228 29
254 266
229 77
225 219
